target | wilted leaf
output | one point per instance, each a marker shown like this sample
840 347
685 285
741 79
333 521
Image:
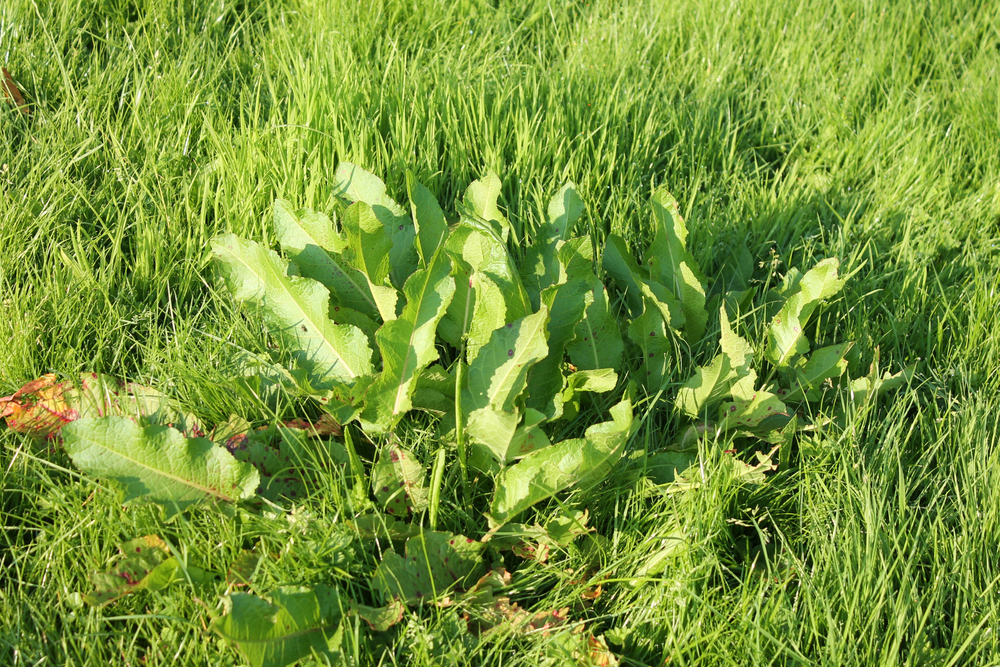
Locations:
296 309
12 93
157 463
293 624
434 564
786 337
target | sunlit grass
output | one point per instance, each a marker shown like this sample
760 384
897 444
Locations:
805 130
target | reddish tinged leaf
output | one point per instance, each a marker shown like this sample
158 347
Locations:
38 409
42 407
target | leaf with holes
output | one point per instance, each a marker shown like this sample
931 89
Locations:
157 463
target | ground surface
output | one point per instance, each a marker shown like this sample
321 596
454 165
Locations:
808 130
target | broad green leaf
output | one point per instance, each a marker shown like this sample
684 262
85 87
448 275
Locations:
497 377
296 310
625 271
481 200
576 259
293 624
672 265
651 334
748 413
582 462
540 268
146 564
498 297
157 463
564 209
381 619
398 482
455 324
668 305
824 363
566 305
309 240
355 184
874 385
493 429
712 383
431 226
598 341
434 564
528 438
499 374
599 380
407 343
368 251
786 337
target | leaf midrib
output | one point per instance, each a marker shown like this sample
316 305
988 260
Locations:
207 490
283 281
356 287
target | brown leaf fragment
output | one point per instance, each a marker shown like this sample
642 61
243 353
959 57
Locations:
12 93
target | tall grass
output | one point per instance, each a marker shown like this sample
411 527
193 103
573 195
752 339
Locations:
867 131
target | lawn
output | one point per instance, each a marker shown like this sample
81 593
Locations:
800 132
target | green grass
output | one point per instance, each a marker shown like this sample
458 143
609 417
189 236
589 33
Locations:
860 130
